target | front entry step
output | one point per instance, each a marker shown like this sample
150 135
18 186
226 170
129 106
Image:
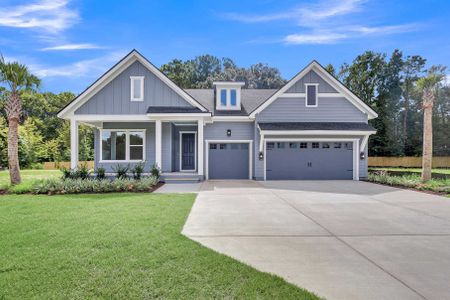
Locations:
181 178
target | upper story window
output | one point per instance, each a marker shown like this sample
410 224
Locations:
137 88
228 95
311 94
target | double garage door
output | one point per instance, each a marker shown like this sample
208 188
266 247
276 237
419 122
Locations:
309 160
228 161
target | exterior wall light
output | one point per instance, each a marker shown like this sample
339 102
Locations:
362 156
228 132
261 155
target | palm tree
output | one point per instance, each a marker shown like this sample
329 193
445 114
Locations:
428 87
17 77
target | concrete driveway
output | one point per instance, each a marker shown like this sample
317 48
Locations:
339 239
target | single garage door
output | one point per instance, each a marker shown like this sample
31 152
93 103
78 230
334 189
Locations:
309 160
228 161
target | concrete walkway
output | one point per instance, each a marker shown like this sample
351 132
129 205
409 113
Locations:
339 239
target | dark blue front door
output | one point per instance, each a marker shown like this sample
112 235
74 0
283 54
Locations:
188 151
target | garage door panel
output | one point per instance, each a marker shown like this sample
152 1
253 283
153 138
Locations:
295 163
228 161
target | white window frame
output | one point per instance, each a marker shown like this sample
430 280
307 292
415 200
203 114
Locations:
127 145
181 151
132 81
228 86
316 85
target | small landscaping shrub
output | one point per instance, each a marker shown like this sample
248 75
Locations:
121 171
100 173
137 171
155 171
411 181
82 172
67 173
75 186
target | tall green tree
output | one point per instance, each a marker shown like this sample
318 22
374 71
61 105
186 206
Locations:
17 78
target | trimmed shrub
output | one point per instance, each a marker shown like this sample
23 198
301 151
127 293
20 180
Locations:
410 181
75 186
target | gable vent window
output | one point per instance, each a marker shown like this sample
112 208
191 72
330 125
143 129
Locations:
311 95
228 95
137 88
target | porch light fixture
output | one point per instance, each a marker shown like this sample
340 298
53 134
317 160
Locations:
362 156
261 155
228 132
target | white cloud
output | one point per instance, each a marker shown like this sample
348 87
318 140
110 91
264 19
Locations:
72 47
52 16
84 68
314 38
325 22
303 15
332 37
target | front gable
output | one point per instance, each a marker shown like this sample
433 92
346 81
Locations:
330 92
111 93
114 98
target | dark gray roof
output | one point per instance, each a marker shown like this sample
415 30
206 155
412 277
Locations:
172 109
316 126
250 99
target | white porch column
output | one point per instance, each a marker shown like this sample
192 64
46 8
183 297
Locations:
158 143
73 144
200 147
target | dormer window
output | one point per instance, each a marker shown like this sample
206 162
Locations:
137 88
228 95
311 94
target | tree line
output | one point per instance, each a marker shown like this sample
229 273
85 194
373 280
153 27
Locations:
390 84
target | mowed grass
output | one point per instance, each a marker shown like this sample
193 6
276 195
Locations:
117 246
28 177
415 170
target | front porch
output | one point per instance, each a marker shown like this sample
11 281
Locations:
173 143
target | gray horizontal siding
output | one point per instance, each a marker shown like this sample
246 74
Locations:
311 77
239 131
114 98
336 109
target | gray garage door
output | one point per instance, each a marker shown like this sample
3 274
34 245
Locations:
228 161
309 160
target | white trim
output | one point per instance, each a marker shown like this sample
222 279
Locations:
141 92
232 119
74 144
195 151
187 116
127 145
355 142
250 154
158 143
364 142
227 89
330 80
200 147
316 85
316 132
113 73
111 118
319 95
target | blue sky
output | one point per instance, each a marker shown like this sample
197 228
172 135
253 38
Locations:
69 44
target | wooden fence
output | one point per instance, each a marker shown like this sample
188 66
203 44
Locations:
408 161
65 164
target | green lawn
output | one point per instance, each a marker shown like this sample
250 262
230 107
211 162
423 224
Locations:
417 170
117 246
28 177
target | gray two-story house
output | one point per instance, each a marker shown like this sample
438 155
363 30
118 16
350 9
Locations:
311 128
